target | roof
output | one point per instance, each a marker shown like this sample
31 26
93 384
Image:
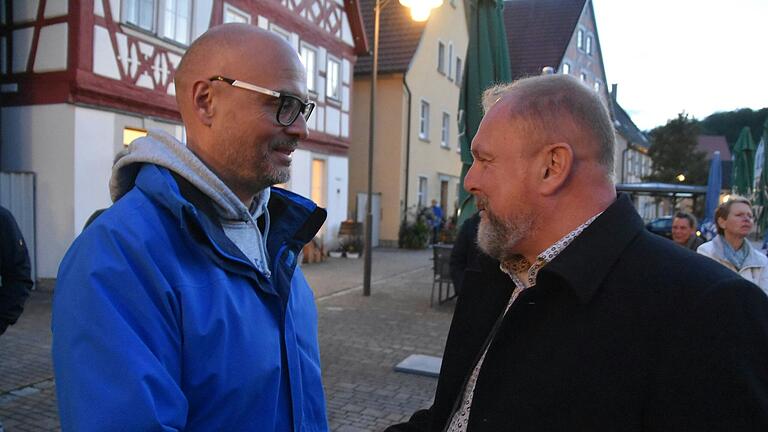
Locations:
352 7
399 36
712 143
538 32
626 127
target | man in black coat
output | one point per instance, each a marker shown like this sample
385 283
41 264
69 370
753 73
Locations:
579 319
15 280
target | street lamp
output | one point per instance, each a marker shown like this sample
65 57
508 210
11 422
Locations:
680 177
420 10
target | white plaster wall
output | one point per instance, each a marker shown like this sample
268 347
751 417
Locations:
338 188
43 143
52 48
301 171
93 154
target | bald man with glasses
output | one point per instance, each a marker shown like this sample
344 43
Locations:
182 306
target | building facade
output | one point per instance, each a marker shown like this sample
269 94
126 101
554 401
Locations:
416 154
80 79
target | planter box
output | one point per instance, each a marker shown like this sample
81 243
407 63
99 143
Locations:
334 254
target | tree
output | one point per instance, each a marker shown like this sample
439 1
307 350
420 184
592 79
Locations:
673 152
730 123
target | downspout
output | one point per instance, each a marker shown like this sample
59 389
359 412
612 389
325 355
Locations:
407 150
624 164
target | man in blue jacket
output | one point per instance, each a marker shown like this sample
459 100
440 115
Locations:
182 306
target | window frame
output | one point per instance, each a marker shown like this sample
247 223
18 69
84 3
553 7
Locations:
424 120
441 57
449 68
588 45
314 73
459 70
161 15
445 130
124 14
421 196
580 39
234 11
565 68
328 60
283 33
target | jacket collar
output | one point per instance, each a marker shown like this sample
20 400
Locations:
585 263
754 258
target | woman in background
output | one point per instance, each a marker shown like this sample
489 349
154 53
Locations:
734 221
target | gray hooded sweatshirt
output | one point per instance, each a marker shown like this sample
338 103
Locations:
238 221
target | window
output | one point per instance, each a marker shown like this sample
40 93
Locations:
449 68
285 34
317 193
424 120
176 19
566 69
235 15
140 13
583 77
171 19
588 45
130 134
309 59
580 39
445 131
596 86
441 57
422 196
333 79
459 70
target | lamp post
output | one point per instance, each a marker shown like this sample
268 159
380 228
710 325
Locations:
420 10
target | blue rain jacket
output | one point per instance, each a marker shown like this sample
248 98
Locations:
160 323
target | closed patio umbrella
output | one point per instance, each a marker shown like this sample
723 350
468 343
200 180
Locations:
487 63
714 185
743 163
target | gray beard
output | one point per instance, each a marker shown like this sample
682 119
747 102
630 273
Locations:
497 237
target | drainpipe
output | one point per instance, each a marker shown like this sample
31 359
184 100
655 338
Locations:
407 151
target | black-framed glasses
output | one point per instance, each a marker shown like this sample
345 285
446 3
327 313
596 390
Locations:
290 106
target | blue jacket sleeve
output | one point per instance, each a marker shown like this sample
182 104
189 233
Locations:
116 338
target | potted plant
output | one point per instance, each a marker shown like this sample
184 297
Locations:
336 253
353 248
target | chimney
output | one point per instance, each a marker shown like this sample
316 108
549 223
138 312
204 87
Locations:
614 89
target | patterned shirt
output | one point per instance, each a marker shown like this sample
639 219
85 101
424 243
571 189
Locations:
523 274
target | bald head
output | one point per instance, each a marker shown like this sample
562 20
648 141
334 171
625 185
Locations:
235 130
559 108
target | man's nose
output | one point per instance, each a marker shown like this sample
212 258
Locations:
470 181
298 128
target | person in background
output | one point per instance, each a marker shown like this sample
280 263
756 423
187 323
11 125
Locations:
15 271
437 221
684 231
731 247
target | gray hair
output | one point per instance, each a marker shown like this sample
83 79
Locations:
559 108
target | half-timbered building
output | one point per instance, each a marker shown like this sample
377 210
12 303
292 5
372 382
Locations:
80 79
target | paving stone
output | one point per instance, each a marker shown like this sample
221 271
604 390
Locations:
361 340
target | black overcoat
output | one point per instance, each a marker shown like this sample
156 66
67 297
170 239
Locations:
623 331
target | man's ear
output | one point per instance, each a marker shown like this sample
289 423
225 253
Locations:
202 102
557 162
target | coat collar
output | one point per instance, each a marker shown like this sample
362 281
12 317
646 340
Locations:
585 263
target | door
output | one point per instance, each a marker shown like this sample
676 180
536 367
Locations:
376 214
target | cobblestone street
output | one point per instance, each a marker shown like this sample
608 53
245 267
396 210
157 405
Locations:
361 340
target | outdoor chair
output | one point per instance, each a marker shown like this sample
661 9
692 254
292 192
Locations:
441 275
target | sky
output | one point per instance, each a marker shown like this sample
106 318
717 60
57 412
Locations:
697 56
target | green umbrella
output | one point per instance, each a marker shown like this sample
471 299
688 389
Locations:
761 187
743 163
487 63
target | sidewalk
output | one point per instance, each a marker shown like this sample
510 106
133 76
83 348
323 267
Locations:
361 339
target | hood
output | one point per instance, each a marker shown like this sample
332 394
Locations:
162 149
